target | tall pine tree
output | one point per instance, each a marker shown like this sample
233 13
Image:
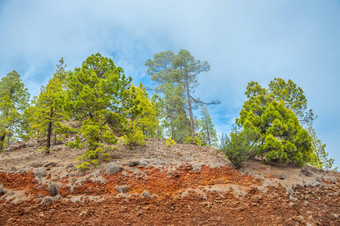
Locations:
14 99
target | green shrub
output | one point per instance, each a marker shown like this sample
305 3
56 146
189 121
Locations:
239 147
170 142
133 136
194 140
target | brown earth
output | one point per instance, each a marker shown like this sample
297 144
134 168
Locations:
156 185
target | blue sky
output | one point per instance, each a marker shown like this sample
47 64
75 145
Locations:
242 40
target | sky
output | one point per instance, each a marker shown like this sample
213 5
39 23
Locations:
243 40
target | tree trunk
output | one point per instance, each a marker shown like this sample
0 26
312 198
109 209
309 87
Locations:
209 142
49 132
190 108
2 140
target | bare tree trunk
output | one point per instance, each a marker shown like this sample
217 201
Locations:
190 108
2 140
49 132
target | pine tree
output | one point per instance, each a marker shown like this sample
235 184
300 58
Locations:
100 100
146 118
14 99
174 74
279 134
176 119
186 71
49 107
207 129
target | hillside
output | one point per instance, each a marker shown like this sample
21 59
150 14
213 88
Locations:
154 184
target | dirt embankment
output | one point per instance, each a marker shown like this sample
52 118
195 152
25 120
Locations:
156 185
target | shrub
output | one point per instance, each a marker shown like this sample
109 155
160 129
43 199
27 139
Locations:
133 136
170 142
53 189
239 147
194 140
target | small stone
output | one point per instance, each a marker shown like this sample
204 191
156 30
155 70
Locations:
146 194
336 216
1 190
292 198
40 196
47 200
122 189
133 163
289 191
36 165
50 164
13 168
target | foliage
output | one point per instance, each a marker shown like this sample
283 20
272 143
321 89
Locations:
133 136
170 142
83 165
239 147
14 99
176 119
282 138
146 116
194 140
207 131
176 78
320 158
48 107
100 99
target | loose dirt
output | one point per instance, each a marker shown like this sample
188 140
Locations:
157 185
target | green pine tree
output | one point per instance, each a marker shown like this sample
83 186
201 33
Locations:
207 130
14 99
49 108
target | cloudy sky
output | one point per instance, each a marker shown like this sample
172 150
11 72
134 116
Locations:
243 40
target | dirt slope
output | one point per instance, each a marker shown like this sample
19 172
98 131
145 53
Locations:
156 185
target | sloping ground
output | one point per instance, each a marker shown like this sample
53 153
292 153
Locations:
181 185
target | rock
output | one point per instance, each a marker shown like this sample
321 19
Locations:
40 196
13 169
53 189
146 194
36 165
336 216
133 163
122 189
144 163
306 172
281 176
50 164
30 144
112 168
289 191
292 198
47 200
40 172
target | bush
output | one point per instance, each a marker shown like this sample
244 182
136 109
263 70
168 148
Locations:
170 142
53 189
239 147
133 136
194 140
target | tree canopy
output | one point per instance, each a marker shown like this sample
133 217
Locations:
14 99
